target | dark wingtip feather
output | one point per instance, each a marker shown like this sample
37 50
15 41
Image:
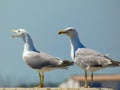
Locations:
67 63
115 63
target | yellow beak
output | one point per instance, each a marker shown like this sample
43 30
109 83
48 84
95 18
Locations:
61 32
13 30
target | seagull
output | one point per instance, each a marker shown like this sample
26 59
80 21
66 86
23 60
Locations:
37 60
86 58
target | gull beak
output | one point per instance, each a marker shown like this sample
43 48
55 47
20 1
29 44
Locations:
61 32
14 32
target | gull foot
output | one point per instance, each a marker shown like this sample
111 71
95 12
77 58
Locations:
39 86
86 86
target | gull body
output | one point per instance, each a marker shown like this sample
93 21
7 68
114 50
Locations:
86 58
42 62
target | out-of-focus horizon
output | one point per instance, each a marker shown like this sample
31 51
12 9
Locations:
97 22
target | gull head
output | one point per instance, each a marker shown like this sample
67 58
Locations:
70 31
19 33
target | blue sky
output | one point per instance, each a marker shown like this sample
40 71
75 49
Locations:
97 22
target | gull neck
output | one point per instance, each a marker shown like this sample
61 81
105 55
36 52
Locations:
75 44
28 43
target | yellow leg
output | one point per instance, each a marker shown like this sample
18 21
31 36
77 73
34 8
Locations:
41 76
91 78
86 82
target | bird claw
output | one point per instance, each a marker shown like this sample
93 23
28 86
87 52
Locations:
39 86
86 86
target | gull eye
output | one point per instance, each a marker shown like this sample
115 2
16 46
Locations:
70 29
18 31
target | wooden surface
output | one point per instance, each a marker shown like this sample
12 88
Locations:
56 89
113 77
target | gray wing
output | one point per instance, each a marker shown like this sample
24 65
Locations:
91 58
41 60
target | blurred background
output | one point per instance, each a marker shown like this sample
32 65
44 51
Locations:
97 22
